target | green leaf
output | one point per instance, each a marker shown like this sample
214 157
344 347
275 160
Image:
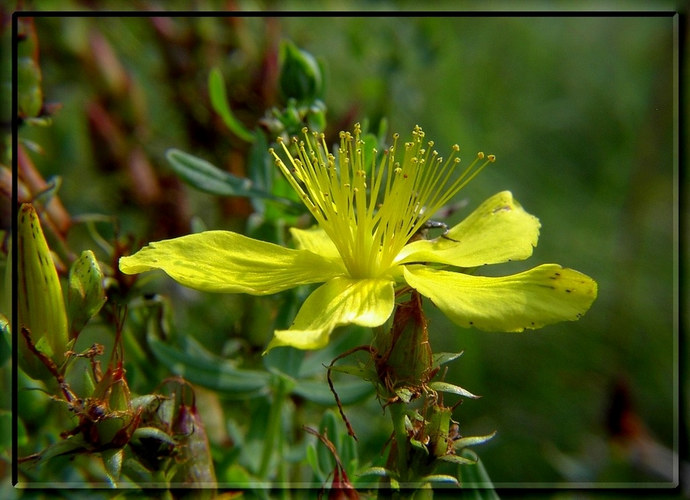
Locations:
313 462
453 389
377 471
319 392
5 430
476 477
455 459
219 101
50 191
112 460
5 338
417 444
152 433
261 171
442 358
471 441
404 394
145 402
328 427
72 444
440 478
136 471
220 376
206 177
30 94
86 294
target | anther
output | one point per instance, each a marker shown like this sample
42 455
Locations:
492 158
480 155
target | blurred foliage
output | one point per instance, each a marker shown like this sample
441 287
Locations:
580 112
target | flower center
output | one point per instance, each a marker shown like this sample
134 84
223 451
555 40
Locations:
370 212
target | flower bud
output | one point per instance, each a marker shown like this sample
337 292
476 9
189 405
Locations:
41 307
300 75
405 362
86 294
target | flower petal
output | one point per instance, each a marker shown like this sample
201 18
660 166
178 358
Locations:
340 301
543 295
222 261
498 231
315 240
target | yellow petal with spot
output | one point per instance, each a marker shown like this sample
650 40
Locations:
540 296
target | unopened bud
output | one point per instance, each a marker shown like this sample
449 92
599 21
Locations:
41 306
300 75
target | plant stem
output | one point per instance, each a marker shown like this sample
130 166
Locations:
401 440
273 438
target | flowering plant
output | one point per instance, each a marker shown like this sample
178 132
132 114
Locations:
366 248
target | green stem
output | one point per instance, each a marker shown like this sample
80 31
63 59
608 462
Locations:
273 437
401 439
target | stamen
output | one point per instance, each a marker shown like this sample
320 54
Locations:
370 220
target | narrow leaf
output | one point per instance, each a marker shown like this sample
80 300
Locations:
440 478
456 459
475 476
206 177
220 376
442 358
377 471
152 433
472 441
219 101
453 389
64 447
112 460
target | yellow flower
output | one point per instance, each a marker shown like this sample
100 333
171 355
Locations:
366 247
